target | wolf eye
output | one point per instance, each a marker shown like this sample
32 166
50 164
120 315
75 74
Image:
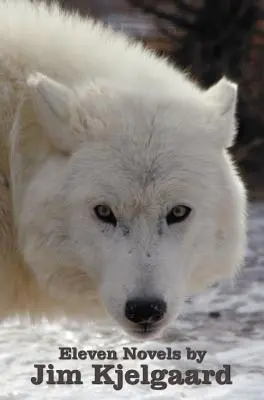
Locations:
105 214
178 214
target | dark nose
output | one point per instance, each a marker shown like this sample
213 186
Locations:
143 311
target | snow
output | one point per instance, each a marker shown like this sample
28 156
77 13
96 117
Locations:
236 337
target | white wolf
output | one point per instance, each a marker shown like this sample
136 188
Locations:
116 191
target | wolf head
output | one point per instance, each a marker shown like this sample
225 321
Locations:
137 202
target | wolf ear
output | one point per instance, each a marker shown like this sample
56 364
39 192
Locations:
224 95
56 107
223 98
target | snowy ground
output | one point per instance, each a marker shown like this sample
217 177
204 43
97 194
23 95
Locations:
236 337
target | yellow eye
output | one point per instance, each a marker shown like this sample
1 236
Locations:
104 213
178 214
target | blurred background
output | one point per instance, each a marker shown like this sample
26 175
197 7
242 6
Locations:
208 39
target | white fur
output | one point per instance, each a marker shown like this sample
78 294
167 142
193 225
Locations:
88 118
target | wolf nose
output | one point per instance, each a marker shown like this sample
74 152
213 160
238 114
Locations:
143 311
